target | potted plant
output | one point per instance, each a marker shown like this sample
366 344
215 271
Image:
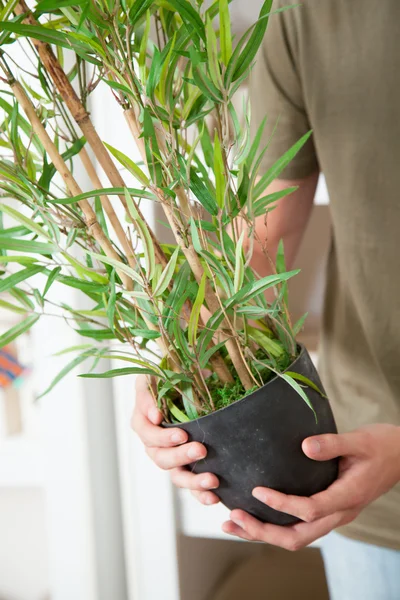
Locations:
193 315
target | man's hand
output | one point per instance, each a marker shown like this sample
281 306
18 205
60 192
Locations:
168 447
369 467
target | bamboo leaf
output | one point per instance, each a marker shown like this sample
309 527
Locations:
12 307
27 246
28 222
202 194
225 31
195 314
260 205
299 325
239 264
212 54
299 390
128 164
17 330
175 412
119 266
51 279
141 227
280 165
111 302
114 191
306 381
250 50
188 400
12 280
167 274
189 16
271 346
219 172
118 372
67 369
21 260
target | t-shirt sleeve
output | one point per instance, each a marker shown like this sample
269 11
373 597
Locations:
276 93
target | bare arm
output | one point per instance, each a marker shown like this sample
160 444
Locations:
288 221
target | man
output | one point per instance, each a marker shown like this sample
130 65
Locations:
333 66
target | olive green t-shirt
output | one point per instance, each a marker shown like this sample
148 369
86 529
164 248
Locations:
333 66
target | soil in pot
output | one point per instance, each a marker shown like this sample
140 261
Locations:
256 441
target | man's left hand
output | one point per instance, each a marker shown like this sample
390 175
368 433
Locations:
369 467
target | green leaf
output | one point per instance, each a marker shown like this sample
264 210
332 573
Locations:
272 347
212 54
188 401
175 412
202 194
239 264
225 35
111 302
119 266
17 330
28 222
114 191
261 204
21 260
306 381
246 57
167 274
12 280
281 268
118 372
69 367
195 236
195 314
128 164
280 165
299 325
27 246
189 16
50 5
219 172
12 307
299 390
147 241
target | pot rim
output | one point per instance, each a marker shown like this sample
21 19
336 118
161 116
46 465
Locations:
303 350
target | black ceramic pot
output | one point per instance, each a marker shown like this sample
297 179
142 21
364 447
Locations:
257 442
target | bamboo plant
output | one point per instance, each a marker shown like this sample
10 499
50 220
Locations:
192 316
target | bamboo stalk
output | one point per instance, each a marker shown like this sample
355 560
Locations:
108 208
74 189
81 116
217 362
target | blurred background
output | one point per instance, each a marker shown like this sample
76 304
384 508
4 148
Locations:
84 515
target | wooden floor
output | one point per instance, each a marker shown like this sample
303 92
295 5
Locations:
275 574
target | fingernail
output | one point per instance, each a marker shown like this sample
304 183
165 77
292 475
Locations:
209 501
193 453
238 522
260 495
177 438
314 446
153 414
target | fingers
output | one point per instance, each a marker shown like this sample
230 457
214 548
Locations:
290 538
207 498
343 494
170 458
146 420
183 478
325 447
232 529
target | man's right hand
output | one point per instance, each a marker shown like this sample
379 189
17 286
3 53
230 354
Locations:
169 448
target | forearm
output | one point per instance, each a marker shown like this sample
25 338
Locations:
287 222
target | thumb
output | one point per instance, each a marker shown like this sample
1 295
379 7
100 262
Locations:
325 447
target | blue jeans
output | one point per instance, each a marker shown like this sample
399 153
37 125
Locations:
359 571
